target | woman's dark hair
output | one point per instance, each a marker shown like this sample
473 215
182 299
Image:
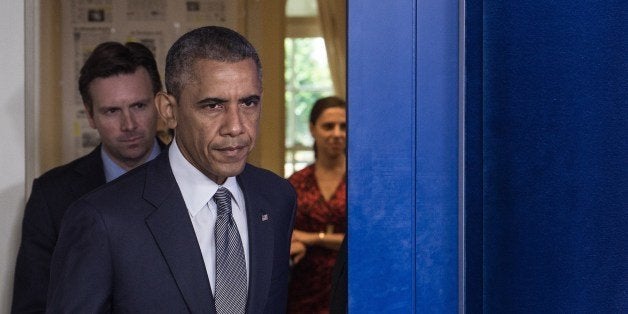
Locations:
113 58
323 104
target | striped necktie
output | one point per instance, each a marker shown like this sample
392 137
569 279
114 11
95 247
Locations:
231 282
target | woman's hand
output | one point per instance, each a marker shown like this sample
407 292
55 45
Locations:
297 251
307 238
327 240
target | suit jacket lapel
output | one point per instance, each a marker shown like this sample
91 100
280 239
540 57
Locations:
261 242
90 174
171 227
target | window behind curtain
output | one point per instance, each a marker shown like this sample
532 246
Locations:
307 79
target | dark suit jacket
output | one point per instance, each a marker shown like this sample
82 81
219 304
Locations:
50 198
130 247
339 296
51 195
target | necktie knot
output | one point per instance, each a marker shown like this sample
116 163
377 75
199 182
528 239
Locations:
223 201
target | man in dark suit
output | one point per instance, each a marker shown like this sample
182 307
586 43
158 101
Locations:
118 84
153 240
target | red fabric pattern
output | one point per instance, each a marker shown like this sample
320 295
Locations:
310 284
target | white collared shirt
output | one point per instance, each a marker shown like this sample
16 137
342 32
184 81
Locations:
198 191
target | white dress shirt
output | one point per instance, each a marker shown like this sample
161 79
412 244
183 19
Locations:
198 191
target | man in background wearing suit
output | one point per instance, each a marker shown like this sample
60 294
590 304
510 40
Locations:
154 241
118 84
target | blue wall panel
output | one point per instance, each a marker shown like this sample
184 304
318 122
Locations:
381 128
403 161
437 157
545 173
473 182
555 156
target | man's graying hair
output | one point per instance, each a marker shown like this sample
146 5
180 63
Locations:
205 43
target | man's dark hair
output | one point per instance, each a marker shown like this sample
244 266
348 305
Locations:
113 58
205 43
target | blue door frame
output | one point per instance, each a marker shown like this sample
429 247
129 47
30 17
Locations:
493 184
403 156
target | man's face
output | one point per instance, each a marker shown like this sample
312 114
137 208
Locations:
125 116
217 116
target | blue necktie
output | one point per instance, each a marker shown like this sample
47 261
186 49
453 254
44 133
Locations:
231 282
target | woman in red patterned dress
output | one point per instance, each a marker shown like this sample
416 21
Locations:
321 220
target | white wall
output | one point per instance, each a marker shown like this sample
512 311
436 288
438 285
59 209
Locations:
12 153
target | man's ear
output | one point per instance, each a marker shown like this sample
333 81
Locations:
166 104
90 116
